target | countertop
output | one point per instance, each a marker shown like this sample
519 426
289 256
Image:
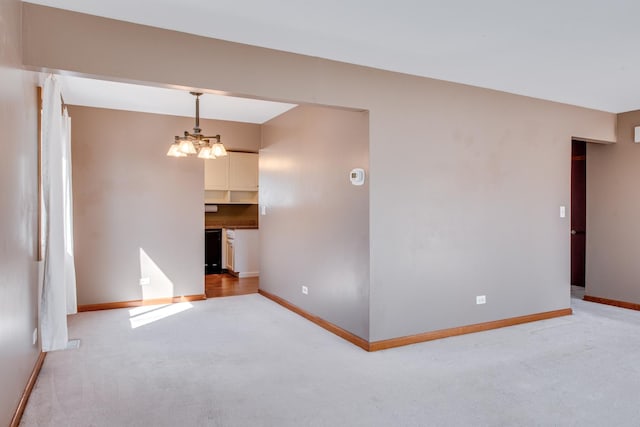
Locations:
236 227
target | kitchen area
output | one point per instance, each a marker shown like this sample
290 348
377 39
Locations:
231 224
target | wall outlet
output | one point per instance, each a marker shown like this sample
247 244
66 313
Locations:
145 281
34 339
305 290
481 299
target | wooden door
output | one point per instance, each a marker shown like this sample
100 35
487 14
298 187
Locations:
578 211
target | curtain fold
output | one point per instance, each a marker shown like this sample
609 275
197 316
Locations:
70 267
58 288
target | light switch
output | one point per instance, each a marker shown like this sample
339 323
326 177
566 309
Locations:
263 210
563 212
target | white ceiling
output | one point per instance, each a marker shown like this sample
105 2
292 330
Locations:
581 52
148 99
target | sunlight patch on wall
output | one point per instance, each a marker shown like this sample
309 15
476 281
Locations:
153 282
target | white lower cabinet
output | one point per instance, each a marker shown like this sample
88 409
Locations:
242 252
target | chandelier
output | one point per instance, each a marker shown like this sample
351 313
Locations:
196 142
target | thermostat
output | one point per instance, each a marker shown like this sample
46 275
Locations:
357 176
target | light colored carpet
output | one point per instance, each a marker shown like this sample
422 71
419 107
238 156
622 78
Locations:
245 361
577 292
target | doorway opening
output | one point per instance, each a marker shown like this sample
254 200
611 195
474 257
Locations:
578 211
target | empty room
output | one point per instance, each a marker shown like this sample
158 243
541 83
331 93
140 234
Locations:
319 213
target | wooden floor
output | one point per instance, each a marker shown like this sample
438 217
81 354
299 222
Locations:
226 285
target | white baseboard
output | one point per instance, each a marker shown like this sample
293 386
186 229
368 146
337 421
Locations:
249 274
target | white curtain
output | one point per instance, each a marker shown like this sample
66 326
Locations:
59 287
69 262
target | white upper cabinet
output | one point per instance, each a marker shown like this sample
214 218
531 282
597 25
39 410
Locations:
231 179
243 171
216 174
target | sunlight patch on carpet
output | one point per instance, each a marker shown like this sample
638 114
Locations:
147 314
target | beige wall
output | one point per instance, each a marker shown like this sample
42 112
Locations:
467 204
316 229
137 212
465 183
613 209
18 214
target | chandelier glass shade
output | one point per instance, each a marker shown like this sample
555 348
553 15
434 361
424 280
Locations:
206 147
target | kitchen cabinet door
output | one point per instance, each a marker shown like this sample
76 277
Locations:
243 171
230 256
216 174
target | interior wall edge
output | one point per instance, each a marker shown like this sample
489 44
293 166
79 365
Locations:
337 330
417 338
613 302
24 399
139 303
467 329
